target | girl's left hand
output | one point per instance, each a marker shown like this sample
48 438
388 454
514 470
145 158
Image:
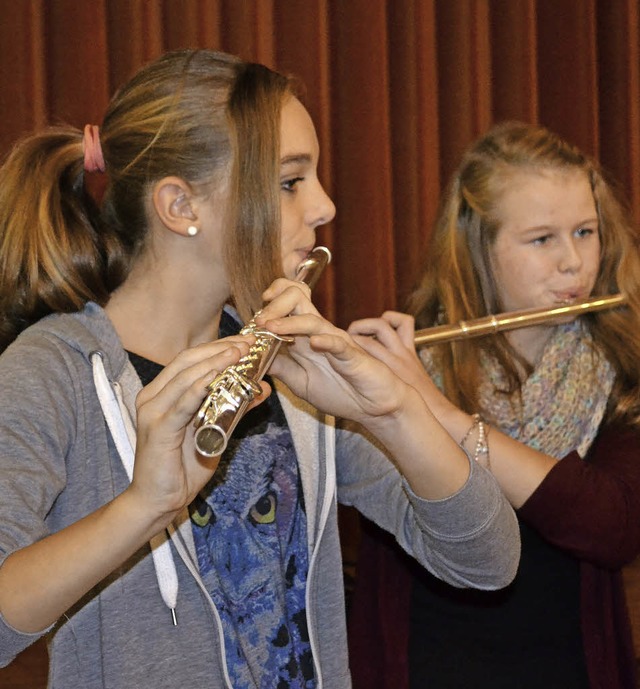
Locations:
390 339
325 365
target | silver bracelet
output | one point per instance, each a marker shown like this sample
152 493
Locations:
481 450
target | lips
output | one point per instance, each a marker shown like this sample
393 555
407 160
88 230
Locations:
570 296
303 253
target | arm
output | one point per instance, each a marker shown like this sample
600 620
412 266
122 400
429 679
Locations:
43 574
396 464
591 507
470 539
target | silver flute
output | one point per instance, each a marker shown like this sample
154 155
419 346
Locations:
231 392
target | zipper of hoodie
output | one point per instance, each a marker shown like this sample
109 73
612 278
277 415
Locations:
176 539
328 434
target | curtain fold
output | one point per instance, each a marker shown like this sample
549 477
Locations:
414 135
361 157
23 93
619 94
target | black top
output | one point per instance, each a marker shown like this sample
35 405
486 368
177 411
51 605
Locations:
147 370
468 638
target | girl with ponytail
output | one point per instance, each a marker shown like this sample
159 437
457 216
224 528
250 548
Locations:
145 563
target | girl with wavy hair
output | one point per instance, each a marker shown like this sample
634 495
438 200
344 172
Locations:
528 222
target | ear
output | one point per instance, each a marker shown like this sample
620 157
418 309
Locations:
173 201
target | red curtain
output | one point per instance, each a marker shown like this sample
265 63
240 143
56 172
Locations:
398 89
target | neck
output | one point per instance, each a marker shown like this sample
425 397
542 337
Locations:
158 315
530 342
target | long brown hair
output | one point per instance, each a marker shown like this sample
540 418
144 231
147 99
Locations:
200 115
458 283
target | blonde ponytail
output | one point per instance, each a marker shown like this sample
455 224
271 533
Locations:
52 254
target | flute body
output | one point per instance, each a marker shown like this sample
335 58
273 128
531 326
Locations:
488 325
231 392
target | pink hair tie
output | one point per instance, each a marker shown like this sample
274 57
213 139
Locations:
93 158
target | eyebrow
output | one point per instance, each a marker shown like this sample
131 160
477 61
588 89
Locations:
296 158
544 228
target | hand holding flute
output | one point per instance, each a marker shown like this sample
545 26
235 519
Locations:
390 339
323 364
232 391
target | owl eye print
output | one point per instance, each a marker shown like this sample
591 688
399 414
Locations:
250 535
264 511
201 513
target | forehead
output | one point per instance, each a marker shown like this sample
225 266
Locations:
297 133
539 196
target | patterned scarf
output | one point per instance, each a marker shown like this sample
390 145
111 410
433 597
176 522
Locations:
563 401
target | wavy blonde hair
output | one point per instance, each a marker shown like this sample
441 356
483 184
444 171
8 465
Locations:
458 283
201 115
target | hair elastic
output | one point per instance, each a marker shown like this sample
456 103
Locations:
93 158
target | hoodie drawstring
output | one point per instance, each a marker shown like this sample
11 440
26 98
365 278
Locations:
124 436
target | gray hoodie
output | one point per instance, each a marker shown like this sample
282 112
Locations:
63 456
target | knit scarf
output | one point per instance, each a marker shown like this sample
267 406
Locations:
563 401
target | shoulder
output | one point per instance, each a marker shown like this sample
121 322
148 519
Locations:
70 336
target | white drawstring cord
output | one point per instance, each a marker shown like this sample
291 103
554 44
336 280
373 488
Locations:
124 437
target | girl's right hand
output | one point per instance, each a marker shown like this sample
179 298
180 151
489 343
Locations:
169 471
39 582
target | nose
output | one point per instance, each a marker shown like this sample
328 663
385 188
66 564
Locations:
321 210
570 258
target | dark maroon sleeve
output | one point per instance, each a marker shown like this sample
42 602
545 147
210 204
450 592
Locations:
591 507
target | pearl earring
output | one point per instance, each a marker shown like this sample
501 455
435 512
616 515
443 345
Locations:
192 230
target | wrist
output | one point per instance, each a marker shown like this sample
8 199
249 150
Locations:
476 440
423 450
403 417
134 508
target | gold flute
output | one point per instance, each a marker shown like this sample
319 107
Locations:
231 392
488 325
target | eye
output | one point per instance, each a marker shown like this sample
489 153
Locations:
201 513
542 240
585 231
264 511
289 185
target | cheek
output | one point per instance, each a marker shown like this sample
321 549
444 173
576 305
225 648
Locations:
516 278
509 292
290 266
288 223
505 264
595 260
521 267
